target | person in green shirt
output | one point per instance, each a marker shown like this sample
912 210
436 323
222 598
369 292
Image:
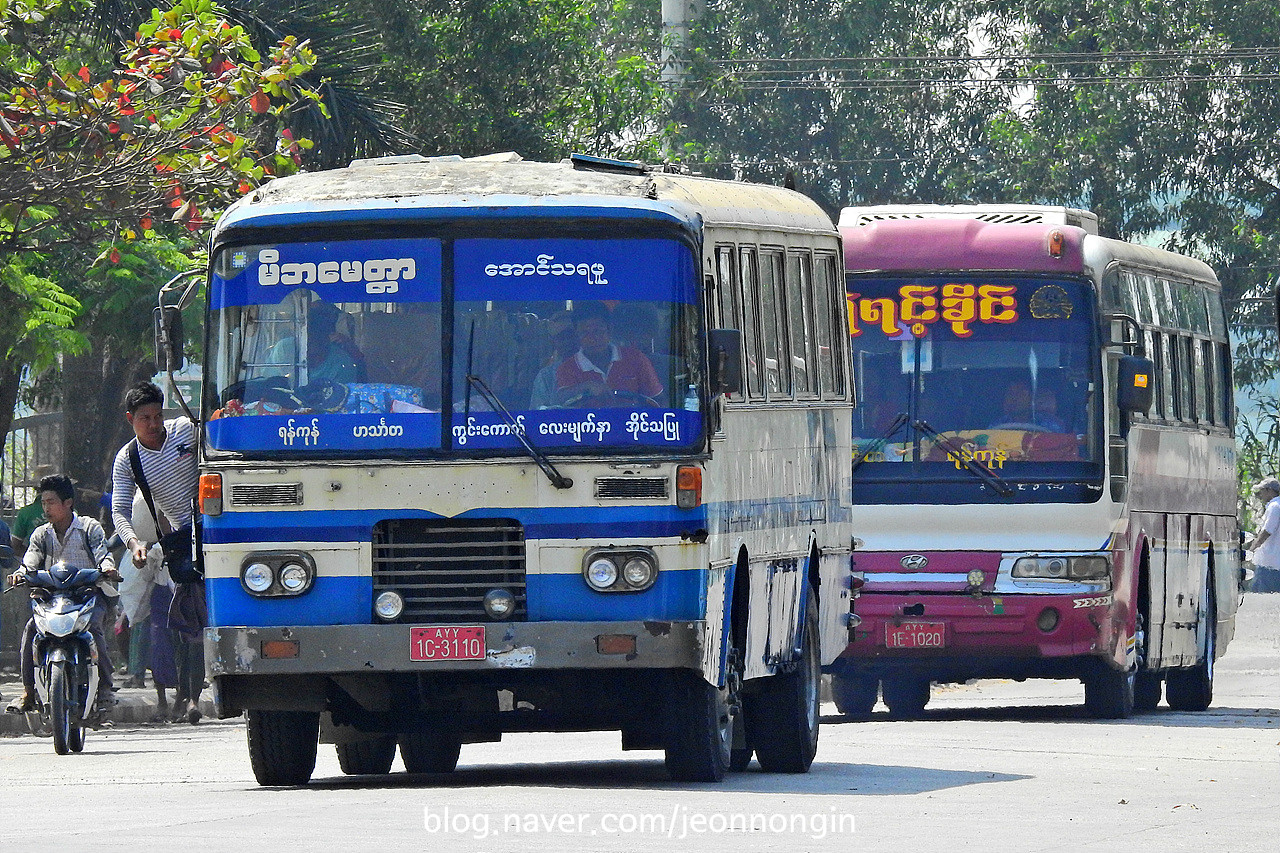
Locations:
30 516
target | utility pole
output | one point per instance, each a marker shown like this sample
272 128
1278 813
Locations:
677 17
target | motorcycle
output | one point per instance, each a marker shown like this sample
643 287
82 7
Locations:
67 678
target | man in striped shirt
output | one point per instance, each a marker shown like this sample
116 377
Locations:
167 451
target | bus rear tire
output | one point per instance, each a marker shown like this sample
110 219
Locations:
782 718
1146 691
368 756
430 752
282 745
905 695
855 695
1191 688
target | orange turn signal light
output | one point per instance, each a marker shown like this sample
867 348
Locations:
688 486
211 494
1056 242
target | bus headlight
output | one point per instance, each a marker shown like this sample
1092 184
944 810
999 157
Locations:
295 578
257 578
277 574
1062 568
388 605
1089 568
602 574
639 572
499 604
620 569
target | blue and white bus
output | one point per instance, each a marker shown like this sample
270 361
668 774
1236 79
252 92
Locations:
493 446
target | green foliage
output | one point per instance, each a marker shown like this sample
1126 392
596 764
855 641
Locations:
540 77
189 117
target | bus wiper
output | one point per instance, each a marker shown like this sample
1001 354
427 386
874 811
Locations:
560 481
879 443
978 469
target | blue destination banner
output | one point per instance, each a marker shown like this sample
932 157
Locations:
553 269
578 428
405 270
305 433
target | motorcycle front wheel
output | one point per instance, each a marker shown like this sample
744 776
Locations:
61 707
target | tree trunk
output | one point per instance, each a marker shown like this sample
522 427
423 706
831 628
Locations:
94 385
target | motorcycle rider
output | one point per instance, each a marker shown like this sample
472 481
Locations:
79 541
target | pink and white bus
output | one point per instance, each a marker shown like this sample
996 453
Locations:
1044 470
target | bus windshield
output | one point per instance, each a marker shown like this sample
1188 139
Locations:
363 346
953 371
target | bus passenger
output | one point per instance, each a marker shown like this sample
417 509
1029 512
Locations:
1018 412
601 373
330 355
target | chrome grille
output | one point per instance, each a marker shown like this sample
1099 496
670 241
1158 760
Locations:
266 494
444 567
631 487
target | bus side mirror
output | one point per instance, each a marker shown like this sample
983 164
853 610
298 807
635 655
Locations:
169 337
726 361
1135 379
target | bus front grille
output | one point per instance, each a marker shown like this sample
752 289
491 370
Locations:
444 567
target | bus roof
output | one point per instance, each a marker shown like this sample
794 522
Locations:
1011 238
1009 214
902 245
504 186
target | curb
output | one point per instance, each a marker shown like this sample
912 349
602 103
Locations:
129 710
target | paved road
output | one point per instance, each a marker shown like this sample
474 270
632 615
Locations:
995 766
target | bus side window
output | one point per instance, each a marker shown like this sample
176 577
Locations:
1224 399
824 275
799 289
749 299
773 321
1186 387
1157 395
726 287
1168 377
1203 381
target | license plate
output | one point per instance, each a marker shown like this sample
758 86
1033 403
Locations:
915 635
447 642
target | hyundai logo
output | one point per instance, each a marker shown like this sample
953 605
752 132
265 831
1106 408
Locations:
914 562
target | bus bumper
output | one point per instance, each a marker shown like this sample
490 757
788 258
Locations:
329 649
987 636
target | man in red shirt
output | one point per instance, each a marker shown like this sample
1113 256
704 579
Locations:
602 373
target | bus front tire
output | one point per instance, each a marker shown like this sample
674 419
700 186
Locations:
905 695
282 745
1109 694
782 718
429 752
855 695
700 741
368 756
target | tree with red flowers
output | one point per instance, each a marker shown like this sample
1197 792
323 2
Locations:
189 117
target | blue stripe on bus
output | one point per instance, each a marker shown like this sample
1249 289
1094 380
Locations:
277 528
676 595
330 601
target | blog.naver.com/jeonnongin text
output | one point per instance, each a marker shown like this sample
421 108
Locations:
679 822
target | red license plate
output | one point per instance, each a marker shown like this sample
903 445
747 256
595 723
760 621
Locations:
915 635
447 642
